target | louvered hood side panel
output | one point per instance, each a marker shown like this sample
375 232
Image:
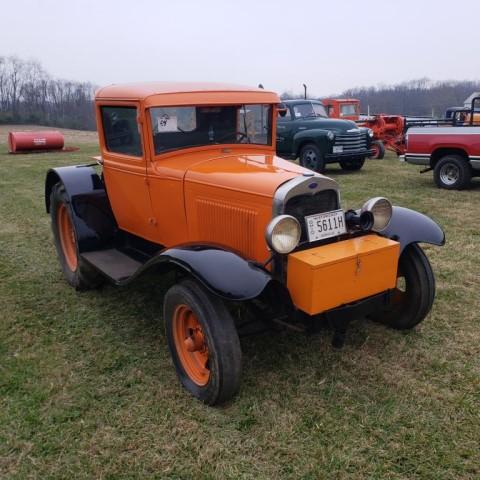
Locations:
233 220
226 224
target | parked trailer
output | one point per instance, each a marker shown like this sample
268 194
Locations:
388 130
35 141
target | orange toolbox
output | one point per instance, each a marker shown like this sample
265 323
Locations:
328 276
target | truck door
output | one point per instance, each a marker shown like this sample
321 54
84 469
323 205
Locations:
285 127
124 166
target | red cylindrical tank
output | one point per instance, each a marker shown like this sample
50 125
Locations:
31 141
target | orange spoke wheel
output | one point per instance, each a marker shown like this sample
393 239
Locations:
191 345
67 237
203 341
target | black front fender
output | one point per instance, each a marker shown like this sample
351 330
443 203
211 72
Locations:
408 226
224 273
315 135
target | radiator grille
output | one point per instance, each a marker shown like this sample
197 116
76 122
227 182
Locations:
228 225
352 141
304 205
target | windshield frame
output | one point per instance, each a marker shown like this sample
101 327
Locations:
269 145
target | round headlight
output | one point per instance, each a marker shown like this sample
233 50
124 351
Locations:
381 210
330 135
370 133
283 234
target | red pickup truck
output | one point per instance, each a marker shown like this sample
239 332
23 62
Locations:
452 152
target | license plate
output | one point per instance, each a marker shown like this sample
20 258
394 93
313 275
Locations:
338 149
325 225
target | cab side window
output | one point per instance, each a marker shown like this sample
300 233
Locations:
121 130
287 116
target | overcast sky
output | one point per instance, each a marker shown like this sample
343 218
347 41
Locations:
329 45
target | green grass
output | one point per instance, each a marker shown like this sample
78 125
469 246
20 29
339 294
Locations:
87 388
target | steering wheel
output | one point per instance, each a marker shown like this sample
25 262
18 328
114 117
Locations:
242 136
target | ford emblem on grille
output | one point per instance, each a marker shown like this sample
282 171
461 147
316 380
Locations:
313 185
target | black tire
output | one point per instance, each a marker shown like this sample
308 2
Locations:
219 335
413 300
452 172
379 148
312 158
352 165
80 275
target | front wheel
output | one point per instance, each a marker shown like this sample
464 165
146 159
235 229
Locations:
203 342
452 172
352 165
414 294
378 150
311 157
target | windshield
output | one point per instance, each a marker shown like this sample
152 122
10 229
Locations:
348 109
304 110
184 127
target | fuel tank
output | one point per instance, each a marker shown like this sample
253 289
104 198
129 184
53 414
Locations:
33 141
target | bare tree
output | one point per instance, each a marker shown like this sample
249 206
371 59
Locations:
29 94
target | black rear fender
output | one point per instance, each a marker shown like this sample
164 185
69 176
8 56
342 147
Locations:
92 215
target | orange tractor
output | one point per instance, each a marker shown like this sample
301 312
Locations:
388 130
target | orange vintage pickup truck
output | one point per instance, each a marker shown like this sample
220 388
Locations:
190 185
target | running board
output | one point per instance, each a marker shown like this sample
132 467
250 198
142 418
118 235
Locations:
112 263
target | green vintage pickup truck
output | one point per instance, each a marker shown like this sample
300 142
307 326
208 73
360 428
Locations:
305 131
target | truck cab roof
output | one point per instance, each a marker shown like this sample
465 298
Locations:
185 93
300 100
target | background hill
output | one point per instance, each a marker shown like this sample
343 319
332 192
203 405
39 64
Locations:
422 97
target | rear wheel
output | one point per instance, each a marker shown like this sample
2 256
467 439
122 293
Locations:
311 157
203 342
378 150
352 165
452 172
77 273
413 297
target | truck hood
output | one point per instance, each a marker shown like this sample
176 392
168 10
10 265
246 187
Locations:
259 174
333 124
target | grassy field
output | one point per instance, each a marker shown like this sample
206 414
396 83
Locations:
87 388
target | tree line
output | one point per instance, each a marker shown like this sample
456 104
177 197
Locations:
28 94
422 97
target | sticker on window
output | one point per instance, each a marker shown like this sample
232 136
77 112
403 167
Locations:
166 123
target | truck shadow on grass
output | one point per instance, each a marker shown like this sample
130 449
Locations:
275 360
